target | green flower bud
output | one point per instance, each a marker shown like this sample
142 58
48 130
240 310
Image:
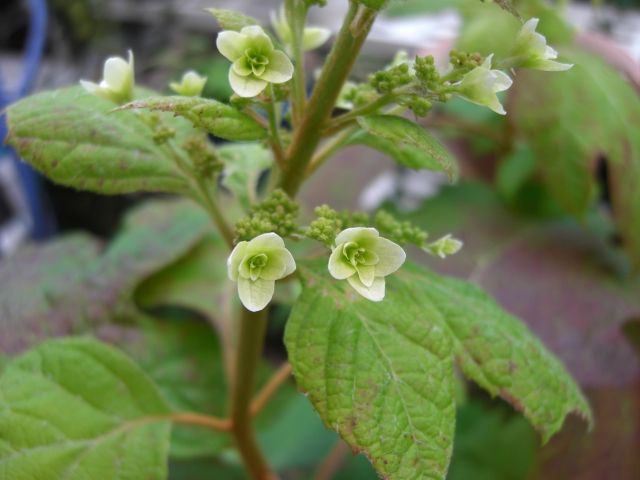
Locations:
191 84
481 84
312 37
444 247
363 258
255 62
531 50
117 80
256 265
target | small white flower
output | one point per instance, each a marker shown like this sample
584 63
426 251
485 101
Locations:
531 50
312 37
364 258
444 247
255 62
482 83
256 265
117 80
191 84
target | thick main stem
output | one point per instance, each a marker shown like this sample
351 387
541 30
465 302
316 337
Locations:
253 326
352 35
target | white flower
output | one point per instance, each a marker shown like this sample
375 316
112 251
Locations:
444 247
117 80
364 258
312 37
531 50
255 62
191 84
256 265
481 84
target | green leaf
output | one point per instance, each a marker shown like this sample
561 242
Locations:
215 117
74 284
183 358
78 409
407 143
232 20
381 374
75 139
243 165
568 141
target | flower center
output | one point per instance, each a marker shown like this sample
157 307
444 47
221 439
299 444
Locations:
355 254
256 264
257 61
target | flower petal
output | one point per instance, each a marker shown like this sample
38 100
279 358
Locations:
234 260
280 68
257 294
375 292
246 86
313 37
354 234
391 256
231 44
366 274
267 241
242 67
339 268
257 39
90 87
281 264
502 81
117 73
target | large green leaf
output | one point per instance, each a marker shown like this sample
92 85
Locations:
74 285
217 118
406 142
75 139
595 117
381 374
78 409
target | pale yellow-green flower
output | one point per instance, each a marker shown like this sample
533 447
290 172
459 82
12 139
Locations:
117 80
191 84
481 85
256 265
255 62
531 50
312 37
363 258
445 246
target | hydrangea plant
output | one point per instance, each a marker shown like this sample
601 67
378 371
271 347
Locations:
371 336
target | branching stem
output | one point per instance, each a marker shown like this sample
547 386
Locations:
270 388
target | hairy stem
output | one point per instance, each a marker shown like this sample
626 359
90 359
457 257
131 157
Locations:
296 14
212 208
339 63
329 148
253 326
274 134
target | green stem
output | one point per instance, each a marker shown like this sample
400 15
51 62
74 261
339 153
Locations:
212 208
339 63
296 15
344 120
328 149
207 199
274 134
253 327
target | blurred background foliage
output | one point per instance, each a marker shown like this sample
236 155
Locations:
548 207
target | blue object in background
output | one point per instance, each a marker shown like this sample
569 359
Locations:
41 224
